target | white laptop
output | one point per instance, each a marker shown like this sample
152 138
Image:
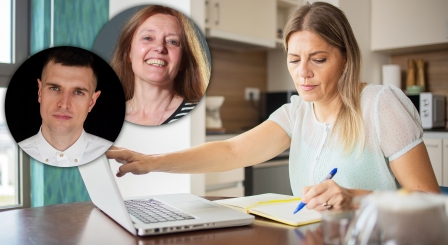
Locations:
157 214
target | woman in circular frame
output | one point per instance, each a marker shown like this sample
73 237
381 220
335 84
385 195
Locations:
162 65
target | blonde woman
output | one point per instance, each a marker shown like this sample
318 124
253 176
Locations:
371 133
161 64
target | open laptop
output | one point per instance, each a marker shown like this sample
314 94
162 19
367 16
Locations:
157 214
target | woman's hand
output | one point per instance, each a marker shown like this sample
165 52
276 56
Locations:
327 195
133 162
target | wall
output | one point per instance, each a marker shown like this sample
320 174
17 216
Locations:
232 72
358 14
436 69
278 74
185 133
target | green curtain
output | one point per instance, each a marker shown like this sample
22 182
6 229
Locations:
76 23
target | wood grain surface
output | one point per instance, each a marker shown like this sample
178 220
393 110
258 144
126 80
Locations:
83 223
232 72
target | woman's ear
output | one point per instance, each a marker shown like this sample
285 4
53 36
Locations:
345 65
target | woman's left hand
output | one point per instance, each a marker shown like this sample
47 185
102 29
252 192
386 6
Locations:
327 195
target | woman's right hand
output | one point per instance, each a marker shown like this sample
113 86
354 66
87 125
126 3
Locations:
133 162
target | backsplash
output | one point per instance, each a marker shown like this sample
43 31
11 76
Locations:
232 72
436 70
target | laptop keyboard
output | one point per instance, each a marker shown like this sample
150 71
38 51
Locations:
152 211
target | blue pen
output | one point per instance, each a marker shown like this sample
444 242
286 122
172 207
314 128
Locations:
329 176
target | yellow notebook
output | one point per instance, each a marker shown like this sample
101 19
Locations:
273 206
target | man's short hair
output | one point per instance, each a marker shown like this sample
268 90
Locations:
71 56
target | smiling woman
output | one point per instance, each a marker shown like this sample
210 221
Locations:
162 65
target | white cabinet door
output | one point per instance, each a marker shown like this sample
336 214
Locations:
237 191
246 21
434 147
445 163
408 23
224 184
219 178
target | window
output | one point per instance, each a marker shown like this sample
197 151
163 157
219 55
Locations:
9 154
14 166
13 37
6 31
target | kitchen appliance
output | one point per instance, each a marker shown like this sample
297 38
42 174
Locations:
212 105
431 108
257 178
271 101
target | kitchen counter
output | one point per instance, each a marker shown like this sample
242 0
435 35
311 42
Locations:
439 133
227 132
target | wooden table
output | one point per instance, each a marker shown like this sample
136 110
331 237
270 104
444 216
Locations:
83 223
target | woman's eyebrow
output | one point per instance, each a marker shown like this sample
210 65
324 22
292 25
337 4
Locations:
147 29
318 52
311 54
151 30
173 34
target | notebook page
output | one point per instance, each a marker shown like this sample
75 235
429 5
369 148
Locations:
244 202
283 212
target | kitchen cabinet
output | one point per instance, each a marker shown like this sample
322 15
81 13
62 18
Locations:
224 184
284 9
409 24
437 146
435 152
248 21
445 162
271 177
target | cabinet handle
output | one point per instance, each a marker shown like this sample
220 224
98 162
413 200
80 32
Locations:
432 145
207 11
217 11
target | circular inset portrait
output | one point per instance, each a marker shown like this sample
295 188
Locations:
162 60
65 106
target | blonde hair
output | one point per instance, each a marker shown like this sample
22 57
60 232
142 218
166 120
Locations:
190 82
331 24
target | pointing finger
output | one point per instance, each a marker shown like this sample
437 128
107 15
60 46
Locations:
120 155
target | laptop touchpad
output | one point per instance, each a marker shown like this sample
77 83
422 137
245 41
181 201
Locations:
194 205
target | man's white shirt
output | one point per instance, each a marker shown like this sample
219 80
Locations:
88 147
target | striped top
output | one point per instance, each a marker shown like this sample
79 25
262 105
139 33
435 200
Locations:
392 125
181 111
